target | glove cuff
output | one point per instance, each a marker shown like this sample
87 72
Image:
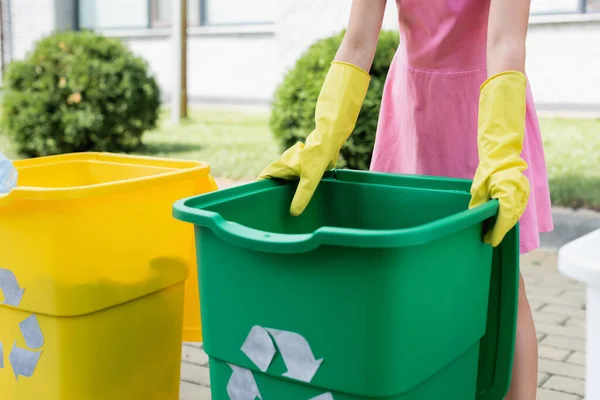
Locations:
501 119
338 106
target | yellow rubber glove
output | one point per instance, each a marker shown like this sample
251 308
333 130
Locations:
501 129
337 109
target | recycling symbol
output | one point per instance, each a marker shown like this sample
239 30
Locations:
260 348
23 361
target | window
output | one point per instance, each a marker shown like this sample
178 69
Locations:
160 12
593 6
555 6
234 12
564 6
106 14
121 14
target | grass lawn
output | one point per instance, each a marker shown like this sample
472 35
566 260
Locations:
573 157
239 146
236 145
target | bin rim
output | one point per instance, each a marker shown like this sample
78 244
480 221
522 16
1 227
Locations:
576 261
187 210
181 170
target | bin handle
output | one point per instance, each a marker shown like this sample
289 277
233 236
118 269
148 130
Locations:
508 253
250 238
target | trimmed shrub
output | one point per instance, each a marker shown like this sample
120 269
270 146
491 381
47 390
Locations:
79 91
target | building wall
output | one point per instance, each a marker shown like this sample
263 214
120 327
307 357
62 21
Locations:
30 21
225 64
222 66
26 22
245 64
563 63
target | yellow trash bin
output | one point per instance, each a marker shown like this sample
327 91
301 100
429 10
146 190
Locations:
94 277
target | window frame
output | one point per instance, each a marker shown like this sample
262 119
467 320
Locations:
581 9
151 22
585 9
204 22
78 26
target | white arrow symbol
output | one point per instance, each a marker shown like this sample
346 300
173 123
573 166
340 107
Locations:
324 396
23 361
297 355
259 348
241 385
30 328
10 287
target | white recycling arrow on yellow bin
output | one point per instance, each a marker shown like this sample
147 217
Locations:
10 288
32 333
23 361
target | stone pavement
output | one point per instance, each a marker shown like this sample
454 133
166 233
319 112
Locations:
558 305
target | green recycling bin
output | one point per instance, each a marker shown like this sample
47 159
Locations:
381 289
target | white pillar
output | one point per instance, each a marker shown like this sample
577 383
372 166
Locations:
176 34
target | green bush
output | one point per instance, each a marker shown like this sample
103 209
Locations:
293 115
79 91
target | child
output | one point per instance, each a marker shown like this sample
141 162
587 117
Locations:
456 103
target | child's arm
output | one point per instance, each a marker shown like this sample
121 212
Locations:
507 34
501 121
338 105
364 26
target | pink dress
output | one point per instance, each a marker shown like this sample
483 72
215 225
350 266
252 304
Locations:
428 118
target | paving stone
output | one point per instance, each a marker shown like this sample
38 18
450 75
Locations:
568 385
532 280
195 374
542 291
536 305
557 300
567 331
577 358
194 355
552 353
562 342
542 378
547 394
561 368
189 391
545 317
578 294
194 344
568 311
576 321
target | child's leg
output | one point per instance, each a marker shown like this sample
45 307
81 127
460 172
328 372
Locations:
525 368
